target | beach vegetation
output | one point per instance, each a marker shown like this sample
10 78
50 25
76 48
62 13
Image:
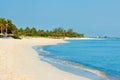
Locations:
7 28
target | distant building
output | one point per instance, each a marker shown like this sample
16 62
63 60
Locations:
98 36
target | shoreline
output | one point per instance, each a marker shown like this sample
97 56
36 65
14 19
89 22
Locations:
20 62
71 65
85 38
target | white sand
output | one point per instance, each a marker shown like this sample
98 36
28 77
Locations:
18 61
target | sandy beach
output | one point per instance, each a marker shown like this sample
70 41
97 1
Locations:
19 61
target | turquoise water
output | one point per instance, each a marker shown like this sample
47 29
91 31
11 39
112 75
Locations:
80 56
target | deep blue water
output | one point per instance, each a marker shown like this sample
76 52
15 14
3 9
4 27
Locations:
101 55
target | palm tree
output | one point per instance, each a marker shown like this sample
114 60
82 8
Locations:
1 25
27 31
0 29
6 26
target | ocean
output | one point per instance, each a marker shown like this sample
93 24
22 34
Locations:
94 59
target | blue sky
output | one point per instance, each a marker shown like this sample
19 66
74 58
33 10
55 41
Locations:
91 17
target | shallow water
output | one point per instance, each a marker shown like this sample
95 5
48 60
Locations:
83 57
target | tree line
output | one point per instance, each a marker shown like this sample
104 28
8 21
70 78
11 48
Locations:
7 28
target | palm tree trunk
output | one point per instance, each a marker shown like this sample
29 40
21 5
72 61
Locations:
6 32
1 30
6 29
